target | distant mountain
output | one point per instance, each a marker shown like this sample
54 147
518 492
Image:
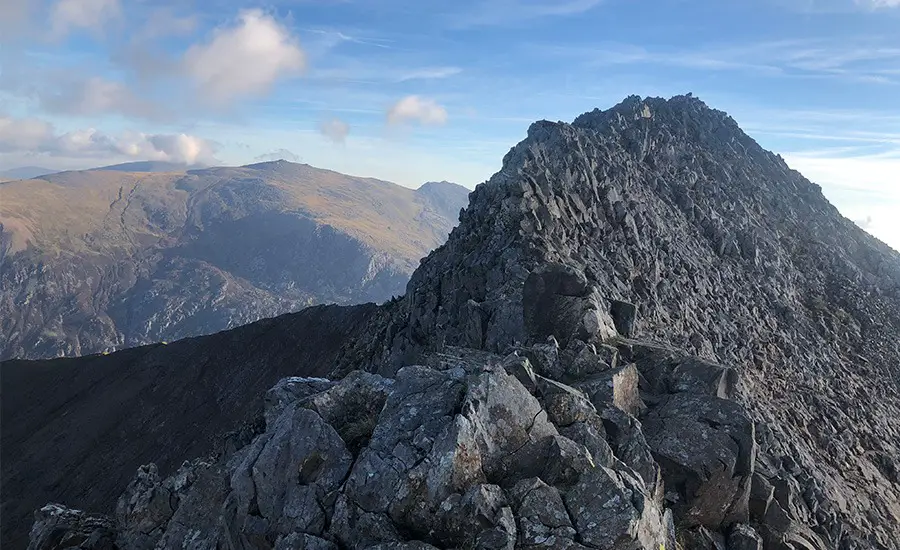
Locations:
445 196
150 166
25 172
99 260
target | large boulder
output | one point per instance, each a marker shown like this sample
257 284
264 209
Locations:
706 448
558 301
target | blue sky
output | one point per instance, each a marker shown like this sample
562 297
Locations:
412 91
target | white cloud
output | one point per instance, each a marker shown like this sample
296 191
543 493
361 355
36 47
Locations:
244 59
280 154
91 15
417 109
334 129
33 136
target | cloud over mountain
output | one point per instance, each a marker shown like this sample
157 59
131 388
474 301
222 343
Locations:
30 135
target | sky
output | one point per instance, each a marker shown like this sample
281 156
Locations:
420 90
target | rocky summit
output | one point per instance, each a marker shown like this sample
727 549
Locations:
646 332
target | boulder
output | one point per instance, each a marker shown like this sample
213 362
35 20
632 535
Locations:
302 541
557 301
624 315
617 388
291 390
564 405
744 537
352 406
481 518
59 528
626 438
542 517
555 459
287 473
706 448
610 510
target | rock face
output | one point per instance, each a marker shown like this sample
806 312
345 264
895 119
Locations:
645 331
107 259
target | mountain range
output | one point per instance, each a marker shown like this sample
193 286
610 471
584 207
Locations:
92 261
646 332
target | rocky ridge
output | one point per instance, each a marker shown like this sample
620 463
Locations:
555 376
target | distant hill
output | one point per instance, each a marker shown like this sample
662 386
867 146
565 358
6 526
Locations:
98 260
150 166
25 172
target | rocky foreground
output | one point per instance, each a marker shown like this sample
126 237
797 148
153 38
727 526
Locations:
646 331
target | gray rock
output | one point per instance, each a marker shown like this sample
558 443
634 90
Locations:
611 510
616 387
744 537
412 545
352 406
302 541
626 438
353 527
144 509
624 315
706 447
701 538
481 518
303 460
555 459
421 450
592 435
59 528
564 405
520 367
294 389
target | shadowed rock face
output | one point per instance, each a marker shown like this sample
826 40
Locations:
101 260
645 330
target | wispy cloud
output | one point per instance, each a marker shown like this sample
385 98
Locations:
879 4
505 12
429 73
864 187
861 60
